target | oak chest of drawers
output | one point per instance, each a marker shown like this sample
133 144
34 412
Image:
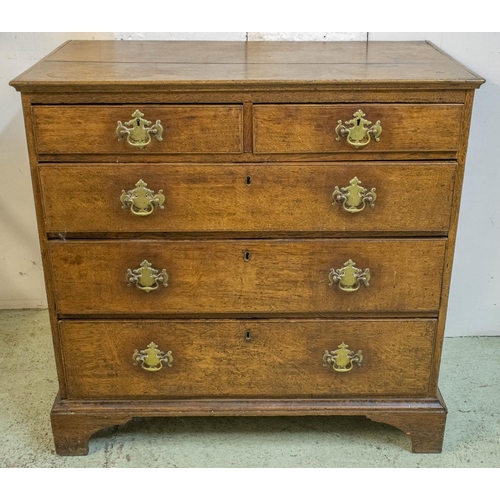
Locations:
247 228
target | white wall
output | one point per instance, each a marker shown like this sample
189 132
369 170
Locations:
21 276
474 307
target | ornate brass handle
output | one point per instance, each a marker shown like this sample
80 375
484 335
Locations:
349 277
354 197
146 278
342 359
152 358
358 134
141 200
138 131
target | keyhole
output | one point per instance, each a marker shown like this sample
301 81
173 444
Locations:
248 180
359 121
248 335
246 255
138 122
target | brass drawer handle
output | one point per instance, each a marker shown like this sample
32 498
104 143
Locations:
152 358
349 277
146 278
342 359
138 131
354 197
358 135
141 200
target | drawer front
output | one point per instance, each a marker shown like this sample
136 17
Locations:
310 128
92 129
270 198
247 359
244 276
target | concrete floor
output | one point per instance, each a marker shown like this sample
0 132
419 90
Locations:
470 383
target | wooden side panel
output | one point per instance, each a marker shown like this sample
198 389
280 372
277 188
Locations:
261 198
91 129
280 277
310 128
44 248
215 359
450 246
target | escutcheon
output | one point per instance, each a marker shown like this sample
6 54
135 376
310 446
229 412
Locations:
146 278
354 197
349 277
141 200
342 359
138 131
152 358
358 131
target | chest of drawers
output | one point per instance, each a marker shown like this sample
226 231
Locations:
247 228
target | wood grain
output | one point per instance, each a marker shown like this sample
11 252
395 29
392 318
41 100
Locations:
426 429
72 430
215 359
450 245
141 65
266 112
212 158
250 53
91 129
282 276
40 216
309 128
74 421
276 95
269 198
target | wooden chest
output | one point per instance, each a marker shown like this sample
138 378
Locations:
254 228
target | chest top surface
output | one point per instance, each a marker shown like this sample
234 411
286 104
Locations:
118 65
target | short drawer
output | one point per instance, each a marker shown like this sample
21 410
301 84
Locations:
311 128
93 129
245 198
274 359
247 276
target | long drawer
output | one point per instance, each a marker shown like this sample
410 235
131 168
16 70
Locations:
308 277
406 197
92 129
247 358
311 128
